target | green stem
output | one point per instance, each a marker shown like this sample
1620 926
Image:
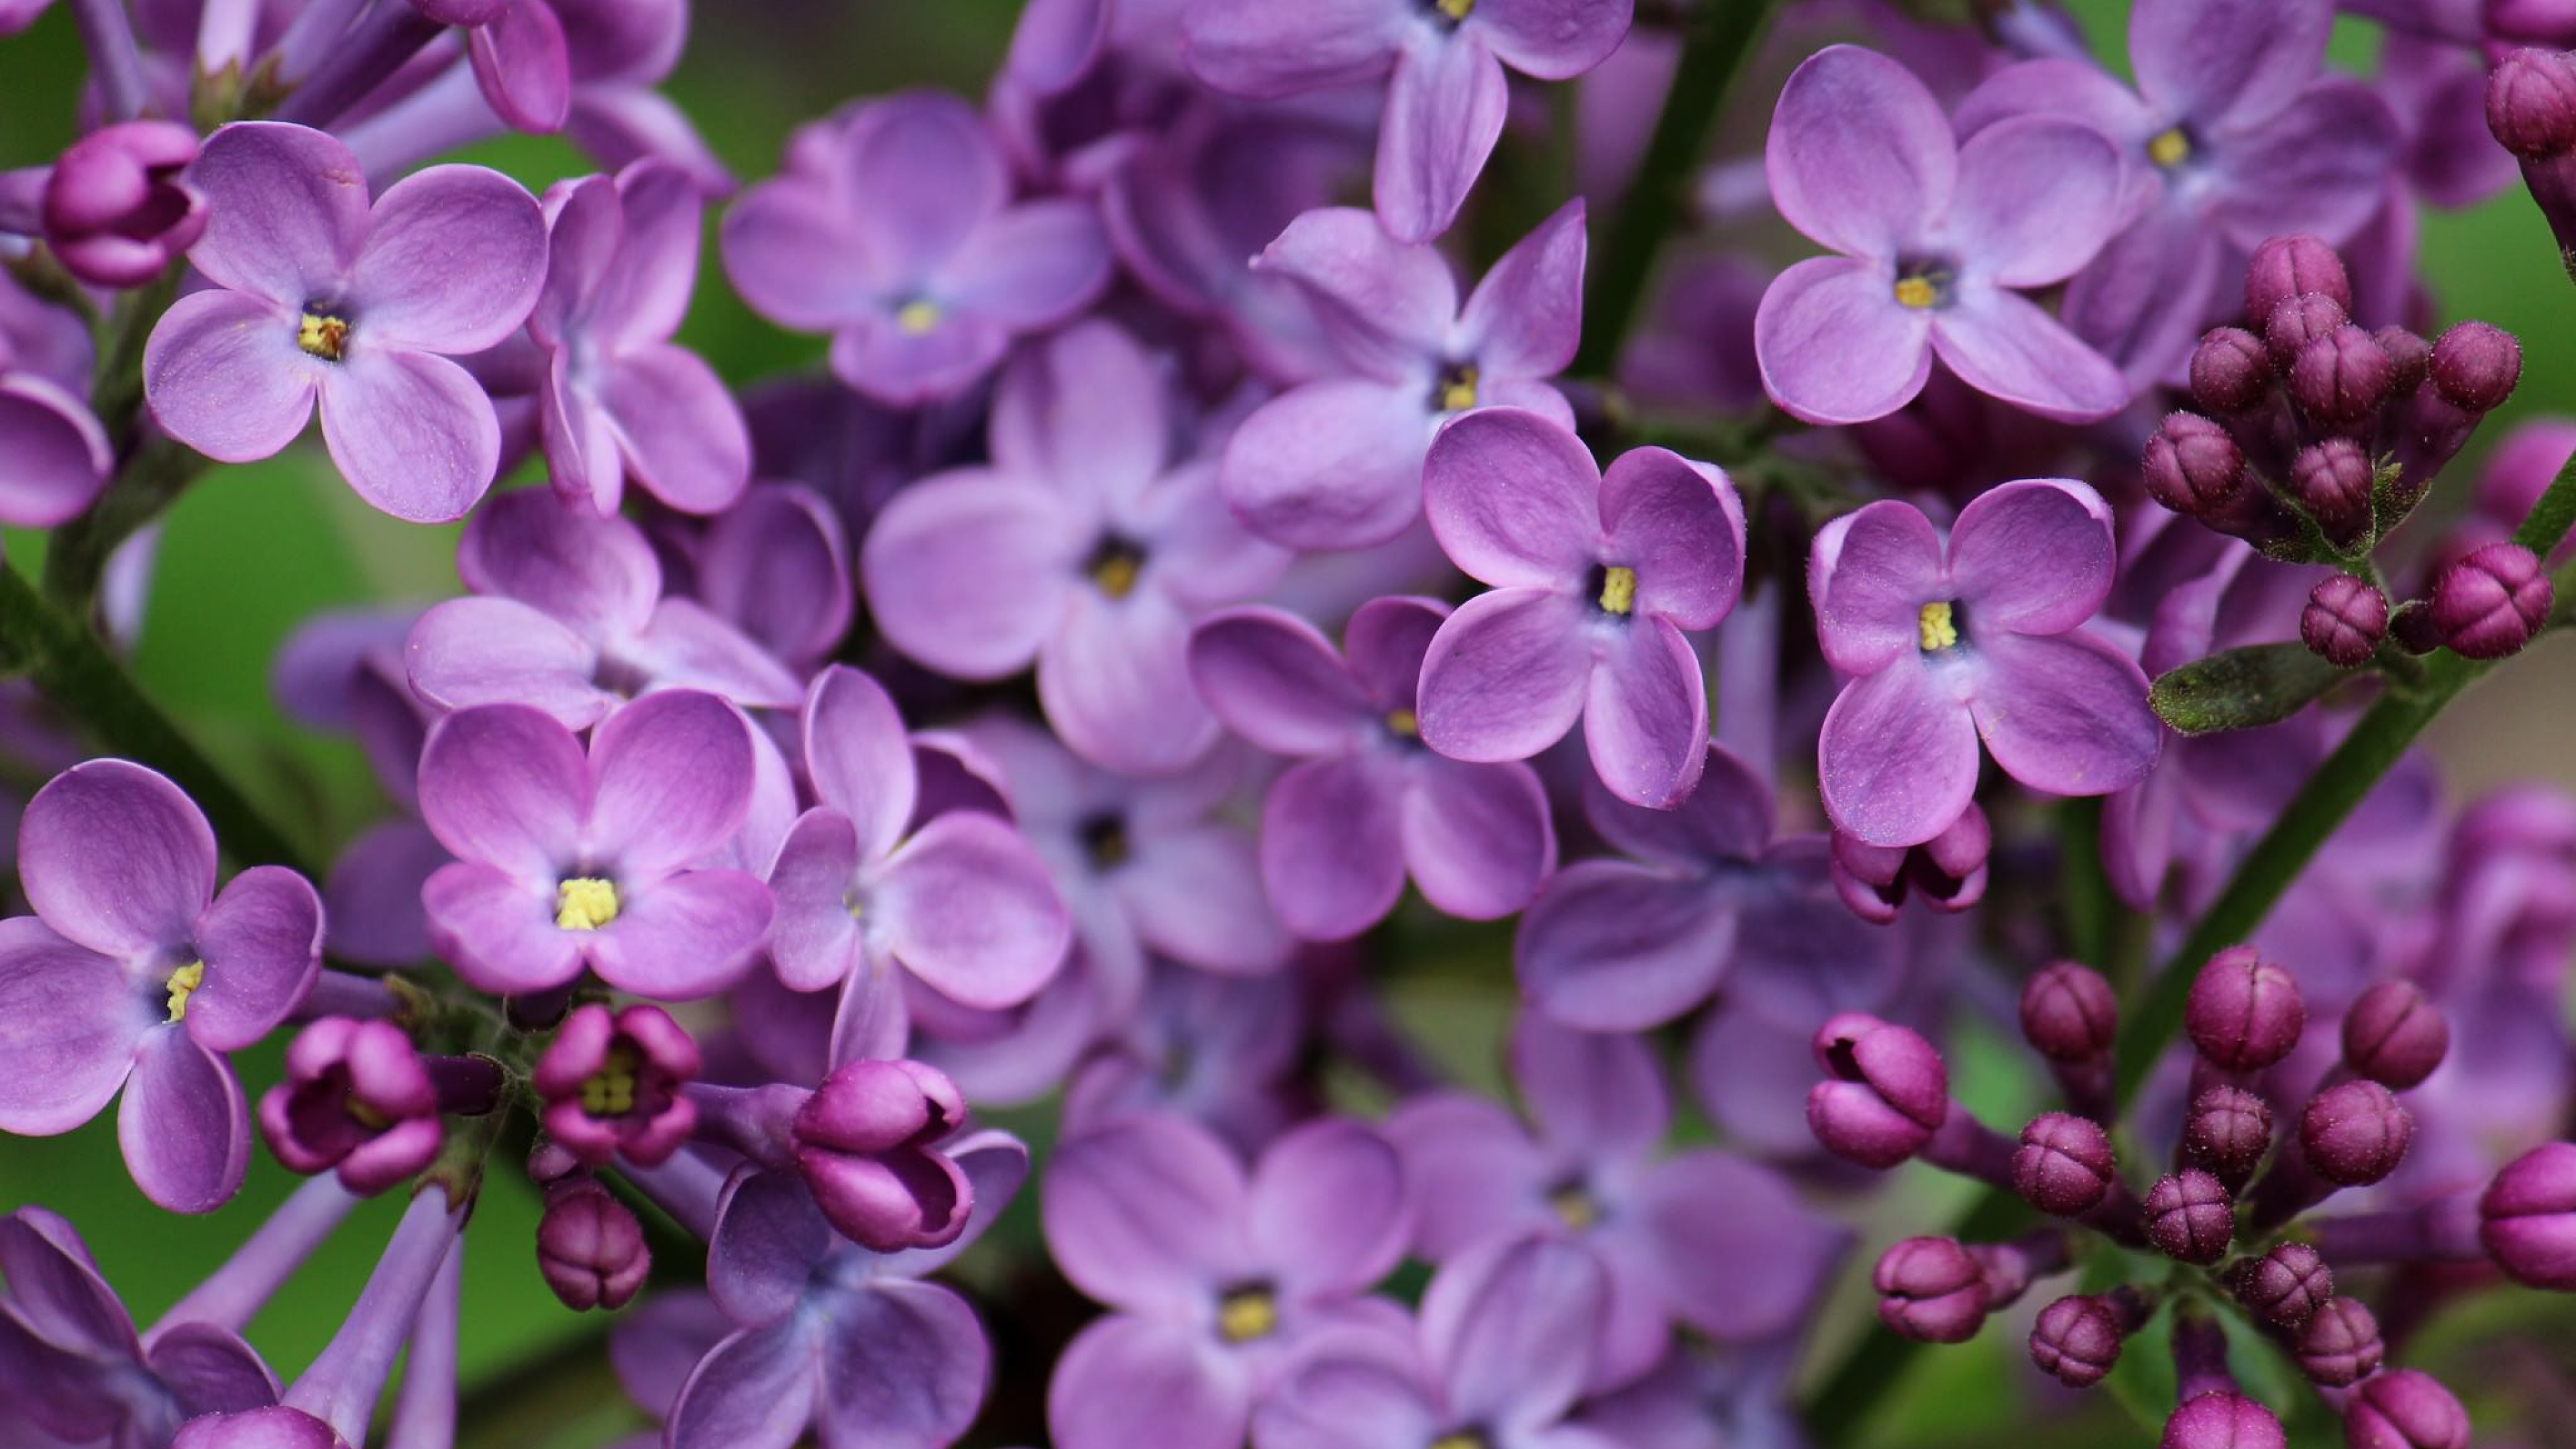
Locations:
77 554
1715 39
2084 889
76 671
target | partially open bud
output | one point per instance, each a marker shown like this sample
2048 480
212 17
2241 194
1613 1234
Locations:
2404 1409
2344 620
590 1247
361 1101
2228 1132
2297 321
2332 482
2341 1344
611 1084
867 1144
2244 1013
2489 604
118 209
2222 1419
2065 1165
1889 1093
2192 466
2077 1339
2191 1217
2475 366
2286 1285
1931 1289
2341 378
2395 1035
2531 103
2355 1133
1947 872
2231 371
2527 1218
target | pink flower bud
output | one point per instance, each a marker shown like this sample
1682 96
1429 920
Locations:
2191 1217
1931 1289
2065 1165
2489 604
2355 1133
2344 620
2231 372
2341 1344
590 1247
2244 1013
2527 1218
2395 1035
2288 266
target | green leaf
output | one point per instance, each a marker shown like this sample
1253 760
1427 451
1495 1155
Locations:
2241 689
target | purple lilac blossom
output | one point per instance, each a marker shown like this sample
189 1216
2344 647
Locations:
54 457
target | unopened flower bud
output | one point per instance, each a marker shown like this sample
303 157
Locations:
117 208
2287 266
2527 1218
866 1143
2068 1013
2192 466
590 1247
2077 1340
2286 1285
2332 482
2341 1344
2065 1165
2341 378
2475 366
2297 321
2489 604
2355 1133
1890 1091
2404 1409
2531 103
2395 1035
2344 620
2228 1132
2244 1013
1931 1289
2230 370
2191 1217
2411 625
2222 1419
1947 872
2410 359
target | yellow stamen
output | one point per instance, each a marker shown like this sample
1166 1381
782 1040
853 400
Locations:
365 1116
1246 1314
917 317
1463 1439
183 984
610 1091
1458 389
1935 628
1574 1207
585 903
1917 292
1618 590
323 336
1403 722
1115 573
1454 9
2169 148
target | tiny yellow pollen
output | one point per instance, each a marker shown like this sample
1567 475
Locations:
610 1091
1246 1314
1462 1439
585 903
183 984
364 1115
1404 723
1115 573
1935 628
1574 1207
323 336
2169 148
1618 590
1454 9
1458 389
1917 292
917 317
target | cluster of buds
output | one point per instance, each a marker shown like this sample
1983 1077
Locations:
2235 1205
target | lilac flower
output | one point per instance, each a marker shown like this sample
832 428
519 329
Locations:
1937 238
1218 1277
565 861
1366 804
134 968
611 1084
830 1335
1704 1238
1503 1347
1082 548
319 298
1949 644
359 1101
893 229
1337 462
117 210
1445 103
1595 577
617 396
569 617
1222 1051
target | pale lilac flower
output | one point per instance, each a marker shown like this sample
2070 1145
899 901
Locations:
1337 462
319 298
134 973
1975 638
1938 240
1596 576
1446 99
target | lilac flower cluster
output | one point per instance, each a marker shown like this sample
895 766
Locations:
1130 690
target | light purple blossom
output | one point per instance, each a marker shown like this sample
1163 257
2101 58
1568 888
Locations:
319 298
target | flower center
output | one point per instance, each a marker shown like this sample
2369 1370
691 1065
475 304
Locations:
364 1115
1455 391
917 316
1104 839
1455 10
610 1091
1404 724
1461 1439
323 335
585 903
1115 567
183 984
2169 148
1618 590
1923 283
1936 627
1575 1207
1247 1313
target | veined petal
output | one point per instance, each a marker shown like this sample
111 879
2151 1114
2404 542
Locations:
412 432
755 1390
1505 676
1115 683
1525 319
904 1367
475 651
1278 682
1332 464
1870 573
1645 714
2037 197
1679 525
670 780
116 858
684 936
184 1126
69 1022
1266 50
679 428
223 375
1514 499
1860 156
1898 758
1444 112
2317 166
261 943
1835 346
858 756
2003 532
2226 61
452 263
1147 1214
1387 306
286 211
505 784
1332 852
1552 39
969 572
2003 345
2066 714
969 908
1613 946
498 930
1477 838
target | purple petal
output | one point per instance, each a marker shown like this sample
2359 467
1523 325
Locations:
69 1021
1471 1171
1195 895
487 651
967 906
1511 1326
1277 681
2066 714
2003 529
653 1348
521 68
1645 714
886 361
682 432
2037 198
1597 1098
778 564
1444 112
795 258
769 1239
755 1390
2226 60
684 937
498 930
1331 464
687 645
1114 680
209 1370
116 858
1476 837
1514 499
2144 298
1332 849
1056 42
2003 345
858 756
1870 573
1255 48
1898 758
645 295
286 211
594 574
452 262
224 376
1147 1215
2315 167
1351 1400
904 1366
411 432
932 176
1610 946
1084 411
1739 1256
507 785
1679 525
55 1290
1727 818
1327 1209
1553 39
670 780
1836 347
813 936
184 1126
1033 266
1385 641
1860 156
969 572
1506 675
261 942
58 454
1387 307
371 899
1127 1381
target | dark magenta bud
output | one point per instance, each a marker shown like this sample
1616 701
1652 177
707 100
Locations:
2532 22
2286 1285
2489 604
2355 1133
2077 1340
2410 359
2395 1035
2191 1217
2344 621
2228 1132
359 1100
2527 1218
2192 466
1947 872
117 208
1888 1095
2065 1165
2222 1419
2068 1013
867 1143
590 1247
2288 266
2341 378
2475 366
2230 370
2244 1013
2297 321
2411 625
611 1084
2531 103
2404 1409
1931 1289
2332 481
2341 1344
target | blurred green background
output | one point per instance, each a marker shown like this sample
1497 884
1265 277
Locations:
251 551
